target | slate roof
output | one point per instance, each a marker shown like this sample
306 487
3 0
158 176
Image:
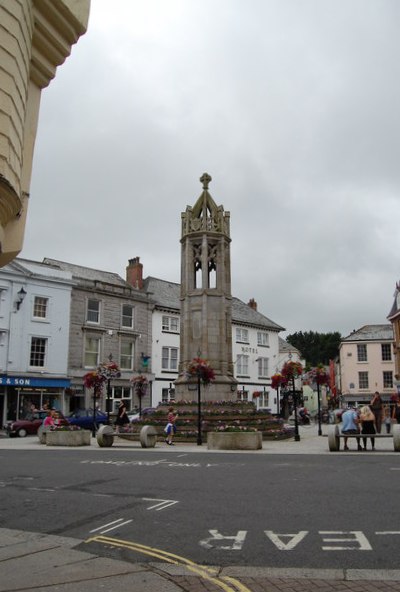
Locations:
87 273
29 268
285 347
371 333
164 294
167 295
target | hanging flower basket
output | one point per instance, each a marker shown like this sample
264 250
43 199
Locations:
140 384
292 370
199 368
109 370
278 381
94 380
319 375
257 394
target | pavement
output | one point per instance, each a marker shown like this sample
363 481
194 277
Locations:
37 562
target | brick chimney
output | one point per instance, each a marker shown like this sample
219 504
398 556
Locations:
252 303
134 273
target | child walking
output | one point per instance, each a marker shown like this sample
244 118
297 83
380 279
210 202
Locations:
170 428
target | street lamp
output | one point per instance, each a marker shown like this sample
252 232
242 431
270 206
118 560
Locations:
319 411
200 369
296 419
319 376
290 371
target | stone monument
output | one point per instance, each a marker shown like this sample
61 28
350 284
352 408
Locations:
206 300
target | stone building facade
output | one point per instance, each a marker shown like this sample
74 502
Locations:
35 37
110 319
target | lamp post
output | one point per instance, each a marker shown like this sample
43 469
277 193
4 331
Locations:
200 369
296 419
290 371
277 402
94 411
108 398
319 376
319 411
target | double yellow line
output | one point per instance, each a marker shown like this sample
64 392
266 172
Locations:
208 573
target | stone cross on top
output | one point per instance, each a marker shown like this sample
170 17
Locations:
205 179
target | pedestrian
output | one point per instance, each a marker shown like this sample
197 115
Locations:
396 410
170 428
49 420
122 416
377 408
350 423
387 419
368 425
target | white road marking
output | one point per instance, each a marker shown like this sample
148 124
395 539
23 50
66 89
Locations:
161 505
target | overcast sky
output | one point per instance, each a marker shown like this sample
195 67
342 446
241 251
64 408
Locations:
292 106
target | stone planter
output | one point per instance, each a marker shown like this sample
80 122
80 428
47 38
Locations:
68 438
234 440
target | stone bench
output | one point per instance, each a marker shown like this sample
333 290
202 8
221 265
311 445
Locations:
335 435
106 434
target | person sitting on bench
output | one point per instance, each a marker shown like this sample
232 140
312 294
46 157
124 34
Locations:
350 426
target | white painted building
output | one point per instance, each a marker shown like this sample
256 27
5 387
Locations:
34 336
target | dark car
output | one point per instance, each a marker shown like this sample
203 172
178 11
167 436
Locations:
29 425
134 415
84 418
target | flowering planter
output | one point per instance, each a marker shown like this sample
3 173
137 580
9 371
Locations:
68 438
234 440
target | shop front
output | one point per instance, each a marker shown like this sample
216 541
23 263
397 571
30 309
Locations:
20 395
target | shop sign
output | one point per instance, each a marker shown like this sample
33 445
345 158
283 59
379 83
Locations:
30 381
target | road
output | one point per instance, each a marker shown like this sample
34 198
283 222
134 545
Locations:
228 509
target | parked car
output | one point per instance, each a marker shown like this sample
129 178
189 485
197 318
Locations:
134 416
84 418
29 425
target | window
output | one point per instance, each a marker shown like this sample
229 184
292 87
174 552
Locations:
167 394
263 367
122 392
388 380
92 352
93 311
386 352
170 324
362 352
126 356
242 364
38 352
242 335
264 400
363 380
169 358
40 307
127 316
262 338
243 395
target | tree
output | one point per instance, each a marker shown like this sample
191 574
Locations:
316 347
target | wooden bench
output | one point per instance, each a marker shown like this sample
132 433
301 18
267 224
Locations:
106 434
335 435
